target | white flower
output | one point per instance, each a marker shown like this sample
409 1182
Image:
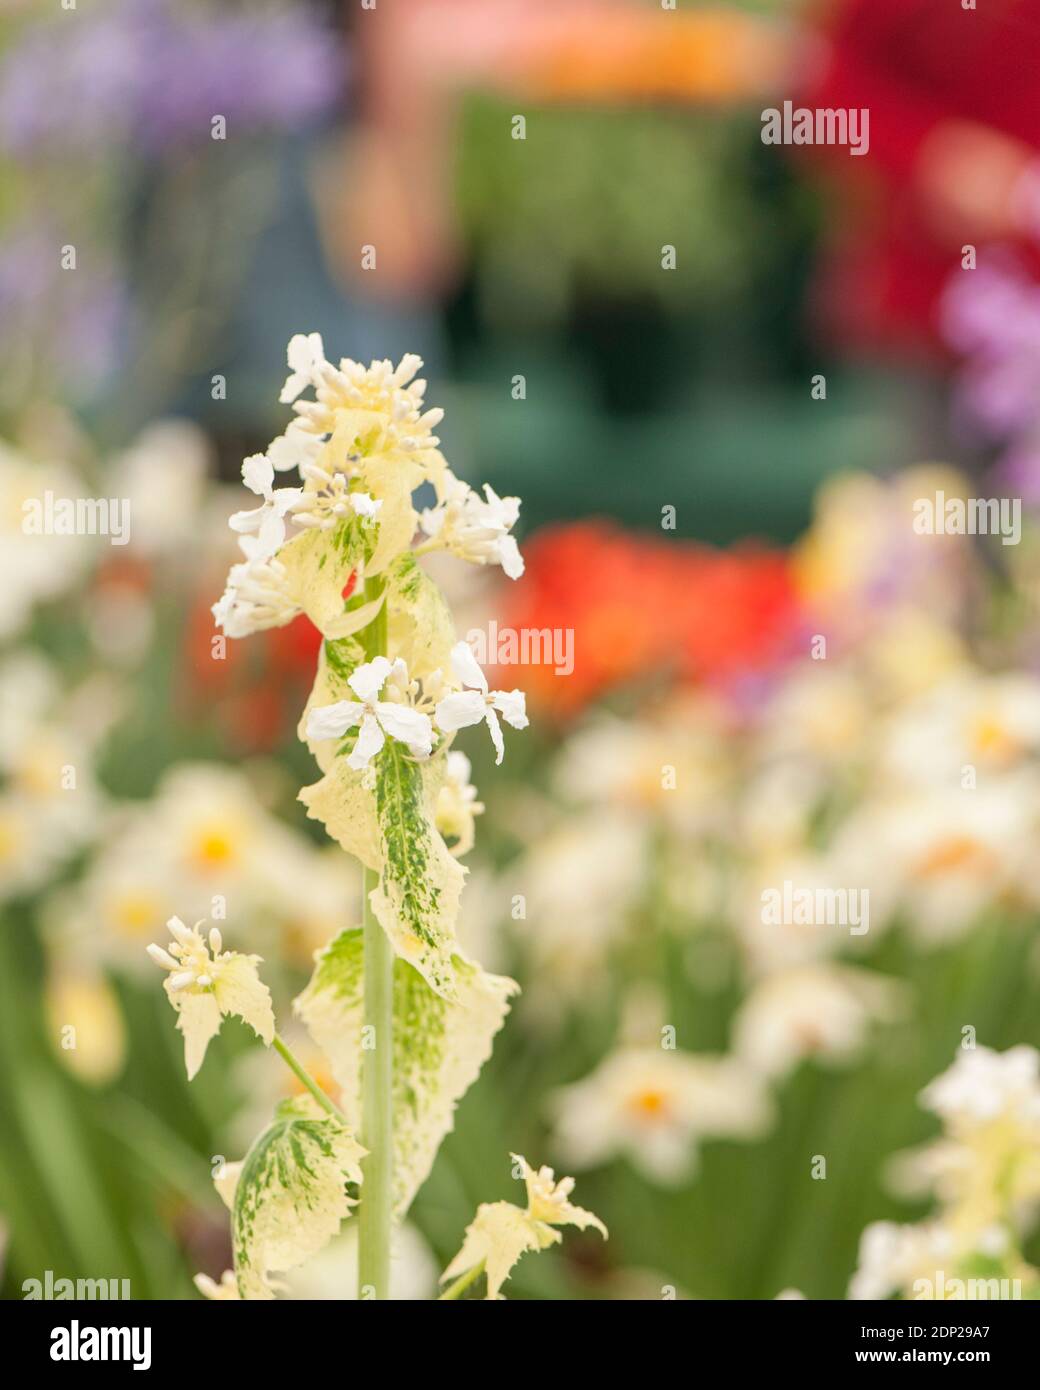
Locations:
295 448
501 1232
944 856
35 566
819 1011
163 475
893 1258
306 357
383 390
266 522
364 505
580 880
457 803
375 717
473 529
653 1105
203 988
329 499
985 1167
991 722
255 598
983 1085
475 703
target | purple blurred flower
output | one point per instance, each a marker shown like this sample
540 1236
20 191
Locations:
140 74
1018 472
991 315
78 319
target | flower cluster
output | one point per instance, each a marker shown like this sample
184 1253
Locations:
985 1172
392 689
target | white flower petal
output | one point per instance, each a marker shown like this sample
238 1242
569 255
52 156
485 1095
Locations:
271 536
459 767
248 521
509 557
495 729
459 710
305 351
305 354
369 741
464 664
365 505
407 725
258 474
369 679
511 704
332 721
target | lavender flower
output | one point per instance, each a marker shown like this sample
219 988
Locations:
992 316
141 74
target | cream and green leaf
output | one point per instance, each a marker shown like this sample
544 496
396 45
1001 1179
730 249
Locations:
417 899
439 1047
420 626
347 809
337 662
391 478
318 567
290 1195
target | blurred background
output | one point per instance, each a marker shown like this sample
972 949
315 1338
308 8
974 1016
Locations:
718 373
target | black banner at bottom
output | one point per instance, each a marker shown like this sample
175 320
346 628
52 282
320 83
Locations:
790 1335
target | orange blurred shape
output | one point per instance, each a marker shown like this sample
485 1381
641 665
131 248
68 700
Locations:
251 690
621 54
645 611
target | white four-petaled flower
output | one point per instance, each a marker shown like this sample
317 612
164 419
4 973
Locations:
474 529
475 703
266 522
376 718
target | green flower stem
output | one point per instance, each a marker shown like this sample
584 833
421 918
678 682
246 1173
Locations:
304 1075
376 1062
462 1283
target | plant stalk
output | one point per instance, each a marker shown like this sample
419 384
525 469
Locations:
462 1283
377 1060
301 1072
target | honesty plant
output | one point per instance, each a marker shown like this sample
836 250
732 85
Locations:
405 1018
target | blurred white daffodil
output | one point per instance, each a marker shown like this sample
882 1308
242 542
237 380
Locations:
377 718
501 1232
204 987
469 706
654 1106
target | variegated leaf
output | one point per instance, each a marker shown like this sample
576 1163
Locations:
290 1195
337 662
420 623
318 567
438 1047
417 900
